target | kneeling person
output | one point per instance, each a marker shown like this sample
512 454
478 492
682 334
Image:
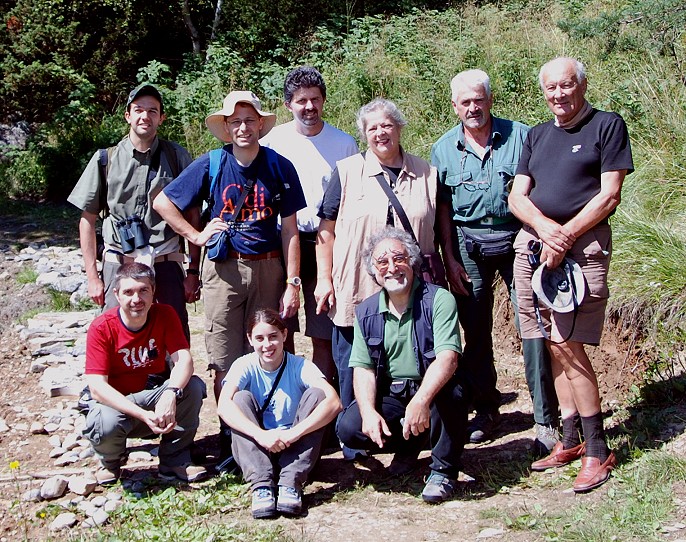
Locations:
404 358
124 346
277 405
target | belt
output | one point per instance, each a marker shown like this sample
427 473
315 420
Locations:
116 257
487 221
252 257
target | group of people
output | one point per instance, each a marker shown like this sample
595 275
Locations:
297 209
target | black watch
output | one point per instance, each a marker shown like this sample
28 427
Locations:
177 391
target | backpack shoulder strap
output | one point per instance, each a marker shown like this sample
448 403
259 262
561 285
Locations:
172 157
103 166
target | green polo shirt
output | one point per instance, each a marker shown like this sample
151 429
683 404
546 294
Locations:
401 360
477 187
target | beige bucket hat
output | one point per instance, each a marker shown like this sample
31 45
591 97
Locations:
215 121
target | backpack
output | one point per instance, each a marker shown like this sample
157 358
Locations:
215 172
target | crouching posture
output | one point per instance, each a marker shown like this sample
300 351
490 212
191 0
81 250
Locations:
124 346
404 359
277 406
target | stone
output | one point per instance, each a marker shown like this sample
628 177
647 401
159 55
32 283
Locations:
57 452
70 441
100 516
82 485
53 488
86 453
490 532
3 426
139 455
111 506
99 501
51 427
38 366
67 459
37 428
63 521
86 507
55 441
20 427
32 495
113 496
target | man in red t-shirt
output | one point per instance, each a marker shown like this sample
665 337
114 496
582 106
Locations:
125 345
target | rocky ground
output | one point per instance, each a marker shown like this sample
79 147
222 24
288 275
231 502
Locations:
39 437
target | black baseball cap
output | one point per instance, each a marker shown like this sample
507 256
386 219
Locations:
145 89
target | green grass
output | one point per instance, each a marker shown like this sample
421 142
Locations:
27 275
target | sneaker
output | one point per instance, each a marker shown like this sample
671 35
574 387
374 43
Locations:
289 502
107 476
351 454
403 463
185 473
438 488
482 426
263 502
547 437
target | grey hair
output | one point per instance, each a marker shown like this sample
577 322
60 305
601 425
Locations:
470 79
389 232
387 106
578 68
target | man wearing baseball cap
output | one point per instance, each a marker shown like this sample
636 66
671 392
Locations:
251 276
119 184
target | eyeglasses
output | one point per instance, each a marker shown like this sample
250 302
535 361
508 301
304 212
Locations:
382 264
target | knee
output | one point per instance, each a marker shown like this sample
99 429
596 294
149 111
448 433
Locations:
245 400
313 396
349 425
195 389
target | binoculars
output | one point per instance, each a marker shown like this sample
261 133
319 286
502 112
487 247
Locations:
535 246
131 233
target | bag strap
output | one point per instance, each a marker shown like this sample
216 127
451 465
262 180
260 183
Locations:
397 206
103 159
264 406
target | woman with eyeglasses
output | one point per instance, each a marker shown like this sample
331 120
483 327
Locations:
355 205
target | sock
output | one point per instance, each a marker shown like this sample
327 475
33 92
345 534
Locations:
570 431
595 436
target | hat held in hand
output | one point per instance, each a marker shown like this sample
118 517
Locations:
558 288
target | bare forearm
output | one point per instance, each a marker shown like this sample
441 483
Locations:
88 244
325 242
364 386
445 225
183 369
437 375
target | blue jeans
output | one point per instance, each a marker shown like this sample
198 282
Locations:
342 344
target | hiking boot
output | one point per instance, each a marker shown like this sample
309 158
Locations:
483 425
263 502
547 437
438 488
403 463
289 501
185 473
107 476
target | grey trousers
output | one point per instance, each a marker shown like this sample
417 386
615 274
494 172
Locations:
108 428
259 466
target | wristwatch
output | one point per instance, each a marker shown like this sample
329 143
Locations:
295 281
177 391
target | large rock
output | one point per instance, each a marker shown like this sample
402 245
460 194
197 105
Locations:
82 485
53 488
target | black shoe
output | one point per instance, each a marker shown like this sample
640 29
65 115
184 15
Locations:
483 425
403 463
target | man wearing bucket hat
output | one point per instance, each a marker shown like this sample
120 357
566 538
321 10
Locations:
121 182
262 186
568 183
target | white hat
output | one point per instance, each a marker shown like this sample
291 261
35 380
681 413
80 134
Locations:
557 288
215 121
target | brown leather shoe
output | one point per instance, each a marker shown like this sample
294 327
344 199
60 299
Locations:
559 457
593 473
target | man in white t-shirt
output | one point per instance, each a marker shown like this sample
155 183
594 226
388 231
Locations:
314 147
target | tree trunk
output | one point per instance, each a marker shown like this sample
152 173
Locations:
195 36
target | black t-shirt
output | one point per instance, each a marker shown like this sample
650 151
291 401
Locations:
565 164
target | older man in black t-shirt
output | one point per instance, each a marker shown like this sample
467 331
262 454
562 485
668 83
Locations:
568 183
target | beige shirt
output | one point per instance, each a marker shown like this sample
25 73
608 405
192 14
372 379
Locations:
362 212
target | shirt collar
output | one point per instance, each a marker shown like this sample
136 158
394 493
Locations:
496 133
372 167
383 298
133 152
